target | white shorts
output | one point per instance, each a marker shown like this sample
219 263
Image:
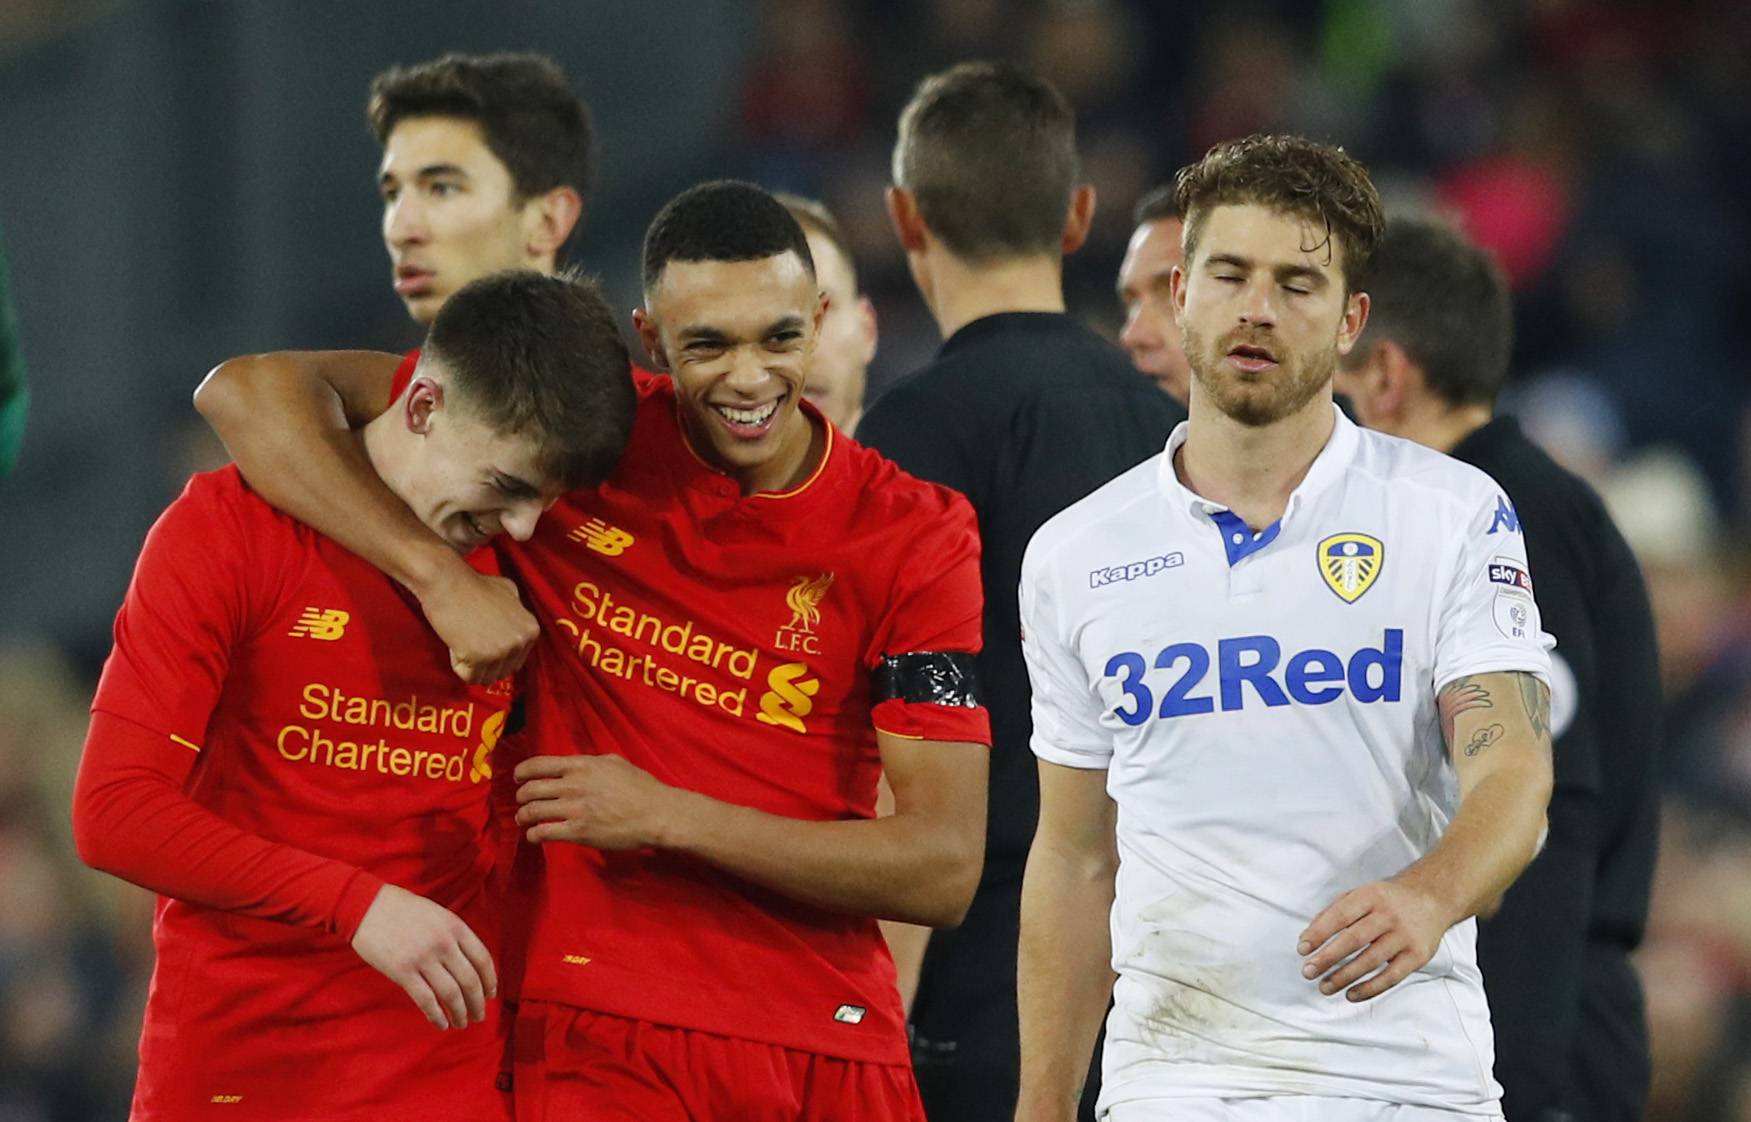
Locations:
1284 1108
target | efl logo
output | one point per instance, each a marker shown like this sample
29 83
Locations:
609 541
1503 572
318 624
850 1014
1135 570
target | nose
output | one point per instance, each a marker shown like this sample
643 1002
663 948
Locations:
1257 307
1141 332
747 372
404 220
520 520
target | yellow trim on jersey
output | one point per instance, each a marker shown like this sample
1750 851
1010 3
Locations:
826 454
901 735
186 744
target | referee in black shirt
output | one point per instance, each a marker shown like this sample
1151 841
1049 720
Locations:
1571 1038
1024 411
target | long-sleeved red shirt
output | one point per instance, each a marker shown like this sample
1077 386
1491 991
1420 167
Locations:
276 735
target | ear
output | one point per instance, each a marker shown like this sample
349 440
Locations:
421 404
1396 380
822 303
1355 318
1176 288
650 337
907 222
866 327
549 220
1078 220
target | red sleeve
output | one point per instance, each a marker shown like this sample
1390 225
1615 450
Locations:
198 588
403 374
132 820
936 606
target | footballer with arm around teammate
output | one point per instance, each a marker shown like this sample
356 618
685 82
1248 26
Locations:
1288 675
741 630
1564 997
487 161
279 748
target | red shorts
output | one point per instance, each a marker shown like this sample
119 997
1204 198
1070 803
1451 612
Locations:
573 1065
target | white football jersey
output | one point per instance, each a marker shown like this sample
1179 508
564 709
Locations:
1264 707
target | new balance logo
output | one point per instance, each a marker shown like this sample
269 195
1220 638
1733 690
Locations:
318 624
609 541
1135 570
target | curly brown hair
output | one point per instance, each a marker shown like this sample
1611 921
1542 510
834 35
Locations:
1293 175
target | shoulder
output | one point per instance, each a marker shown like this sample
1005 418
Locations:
221 501
1418 474
889 494
1099 516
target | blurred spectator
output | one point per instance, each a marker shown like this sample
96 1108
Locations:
847 341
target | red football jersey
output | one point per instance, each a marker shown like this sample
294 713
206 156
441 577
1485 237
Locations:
725 644
318 730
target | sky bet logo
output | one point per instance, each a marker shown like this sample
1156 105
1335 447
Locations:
1311 677
1135 570
1503 572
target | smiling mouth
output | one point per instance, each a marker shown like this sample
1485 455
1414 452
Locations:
749 422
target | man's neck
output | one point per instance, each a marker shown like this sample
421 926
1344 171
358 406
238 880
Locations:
1252 470
959 292
1444 427
378 438
801 454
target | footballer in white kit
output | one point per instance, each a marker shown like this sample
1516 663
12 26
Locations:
1290 702
1264 707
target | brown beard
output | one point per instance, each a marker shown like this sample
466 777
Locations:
1268 398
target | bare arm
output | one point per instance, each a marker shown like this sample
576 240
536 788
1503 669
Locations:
919 865
1065 975
907 942
287 419
1497 728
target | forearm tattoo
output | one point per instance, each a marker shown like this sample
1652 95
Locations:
1461 696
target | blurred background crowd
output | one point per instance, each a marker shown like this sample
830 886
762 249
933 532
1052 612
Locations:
189 179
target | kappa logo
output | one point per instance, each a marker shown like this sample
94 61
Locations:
1507 518
316 623
789 697
1135 570
609 541
1350 564
804 601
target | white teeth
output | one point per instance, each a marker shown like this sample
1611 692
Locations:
748 416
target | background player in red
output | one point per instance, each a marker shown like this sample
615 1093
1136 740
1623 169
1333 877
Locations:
753 620
280 749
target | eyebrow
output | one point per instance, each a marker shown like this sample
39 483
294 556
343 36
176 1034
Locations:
1281 272
704 332
430 171
515 486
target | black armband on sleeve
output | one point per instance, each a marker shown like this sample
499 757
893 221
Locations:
927 677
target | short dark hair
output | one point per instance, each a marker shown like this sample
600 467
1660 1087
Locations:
723 220
1296 176
1156 205
532 121
989 151
813 216
1445 301
534 355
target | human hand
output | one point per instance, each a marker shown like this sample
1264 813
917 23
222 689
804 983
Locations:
482 620
428 951
599 801
1388 923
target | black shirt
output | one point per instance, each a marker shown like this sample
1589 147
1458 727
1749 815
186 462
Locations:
1024 413
1586 894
